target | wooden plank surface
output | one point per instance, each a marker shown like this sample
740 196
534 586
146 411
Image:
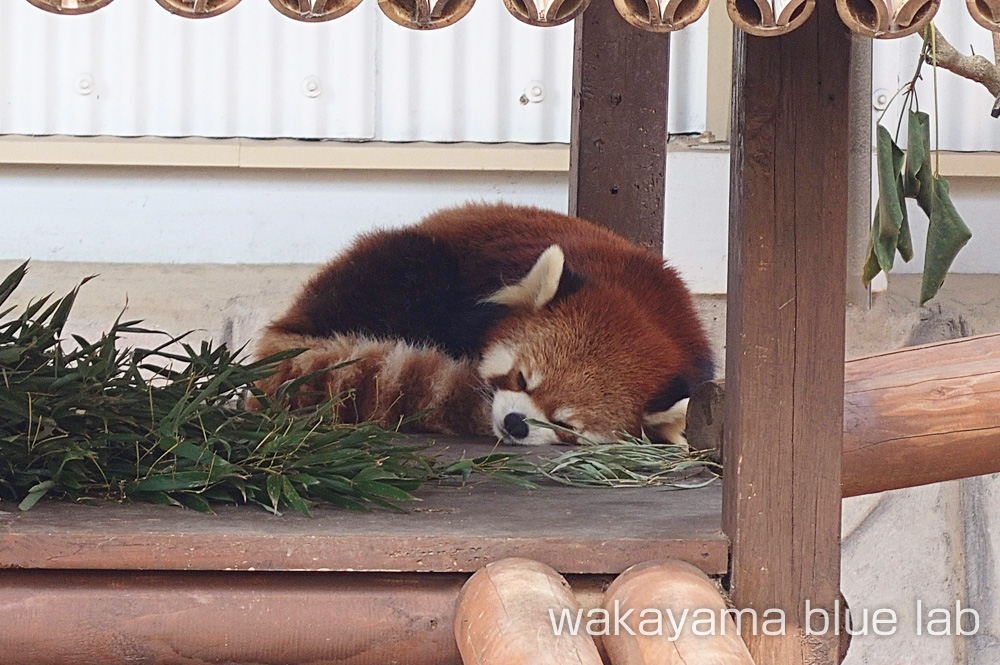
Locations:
785 333
619 146
452 529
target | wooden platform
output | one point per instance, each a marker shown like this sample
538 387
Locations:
452 529
89 585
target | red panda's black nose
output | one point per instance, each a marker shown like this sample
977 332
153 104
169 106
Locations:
513 424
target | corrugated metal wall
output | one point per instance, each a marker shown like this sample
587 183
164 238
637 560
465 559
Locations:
964 121
133 69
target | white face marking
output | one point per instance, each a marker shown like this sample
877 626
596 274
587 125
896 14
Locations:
564 414
534 380
498 360
596 437
509 401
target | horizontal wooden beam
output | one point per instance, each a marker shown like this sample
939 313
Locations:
922 415
282 154
98 617
912 417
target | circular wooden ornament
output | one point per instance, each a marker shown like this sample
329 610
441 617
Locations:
661 15
985 13
70 6
872 19
314 11
425 14
546 12
757 16
198 8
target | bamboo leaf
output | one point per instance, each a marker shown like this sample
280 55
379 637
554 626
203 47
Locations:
947 234
36 493
292 497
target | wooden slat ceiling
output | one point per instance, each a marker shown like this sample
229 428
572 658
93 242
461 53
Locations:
872 18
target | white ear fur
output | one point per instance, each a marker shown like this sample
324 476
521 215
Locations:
539 286
670 423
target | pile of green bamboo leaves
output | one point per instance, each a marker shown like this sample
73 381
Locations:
91 420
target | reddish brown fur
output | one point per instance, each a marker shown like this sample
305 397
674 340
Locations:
607 349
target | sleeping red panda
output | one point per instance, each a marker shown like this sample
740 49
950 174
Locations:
492 316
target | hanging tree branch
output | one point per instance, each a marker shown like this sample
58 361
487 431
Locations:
973 67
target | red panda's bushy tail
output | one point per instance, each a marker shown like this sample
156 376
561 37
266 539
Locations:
386 382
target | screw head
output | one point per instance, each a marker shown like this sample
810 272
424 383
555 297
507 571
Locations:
534 92
880 99
311 86
84 84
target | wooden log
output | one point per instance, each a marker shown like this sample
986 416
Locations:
758 18
425 14
79 617
314 12
915 416
922 415
619 148
94 618
70 6
661 15
986 13
198 8
881 19
785 329
679 594
545 13
504 616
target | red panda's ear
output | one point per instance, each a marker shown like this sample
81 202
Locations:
539 286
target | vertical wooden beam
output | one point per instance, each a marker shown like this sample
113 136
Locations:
859 204
785 334
619 145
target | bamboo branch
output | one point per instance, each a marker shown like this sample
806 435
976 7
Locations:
996 57
973 67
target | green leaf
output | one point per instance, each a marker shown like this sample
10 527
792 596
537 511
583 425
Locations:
889 160
918 156
292 497
170 482
373 488
890 227
36 493
274 490
194 502
947 234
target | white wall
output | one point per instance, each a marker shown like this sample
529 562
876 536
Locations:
160 215
190 215
964 107
201 215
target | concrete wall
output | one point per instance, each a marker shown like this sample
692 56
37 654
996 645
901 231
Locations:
191 215
937 544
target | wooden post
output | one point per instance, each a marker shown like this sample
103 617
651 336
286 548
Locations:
785 332
619 146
